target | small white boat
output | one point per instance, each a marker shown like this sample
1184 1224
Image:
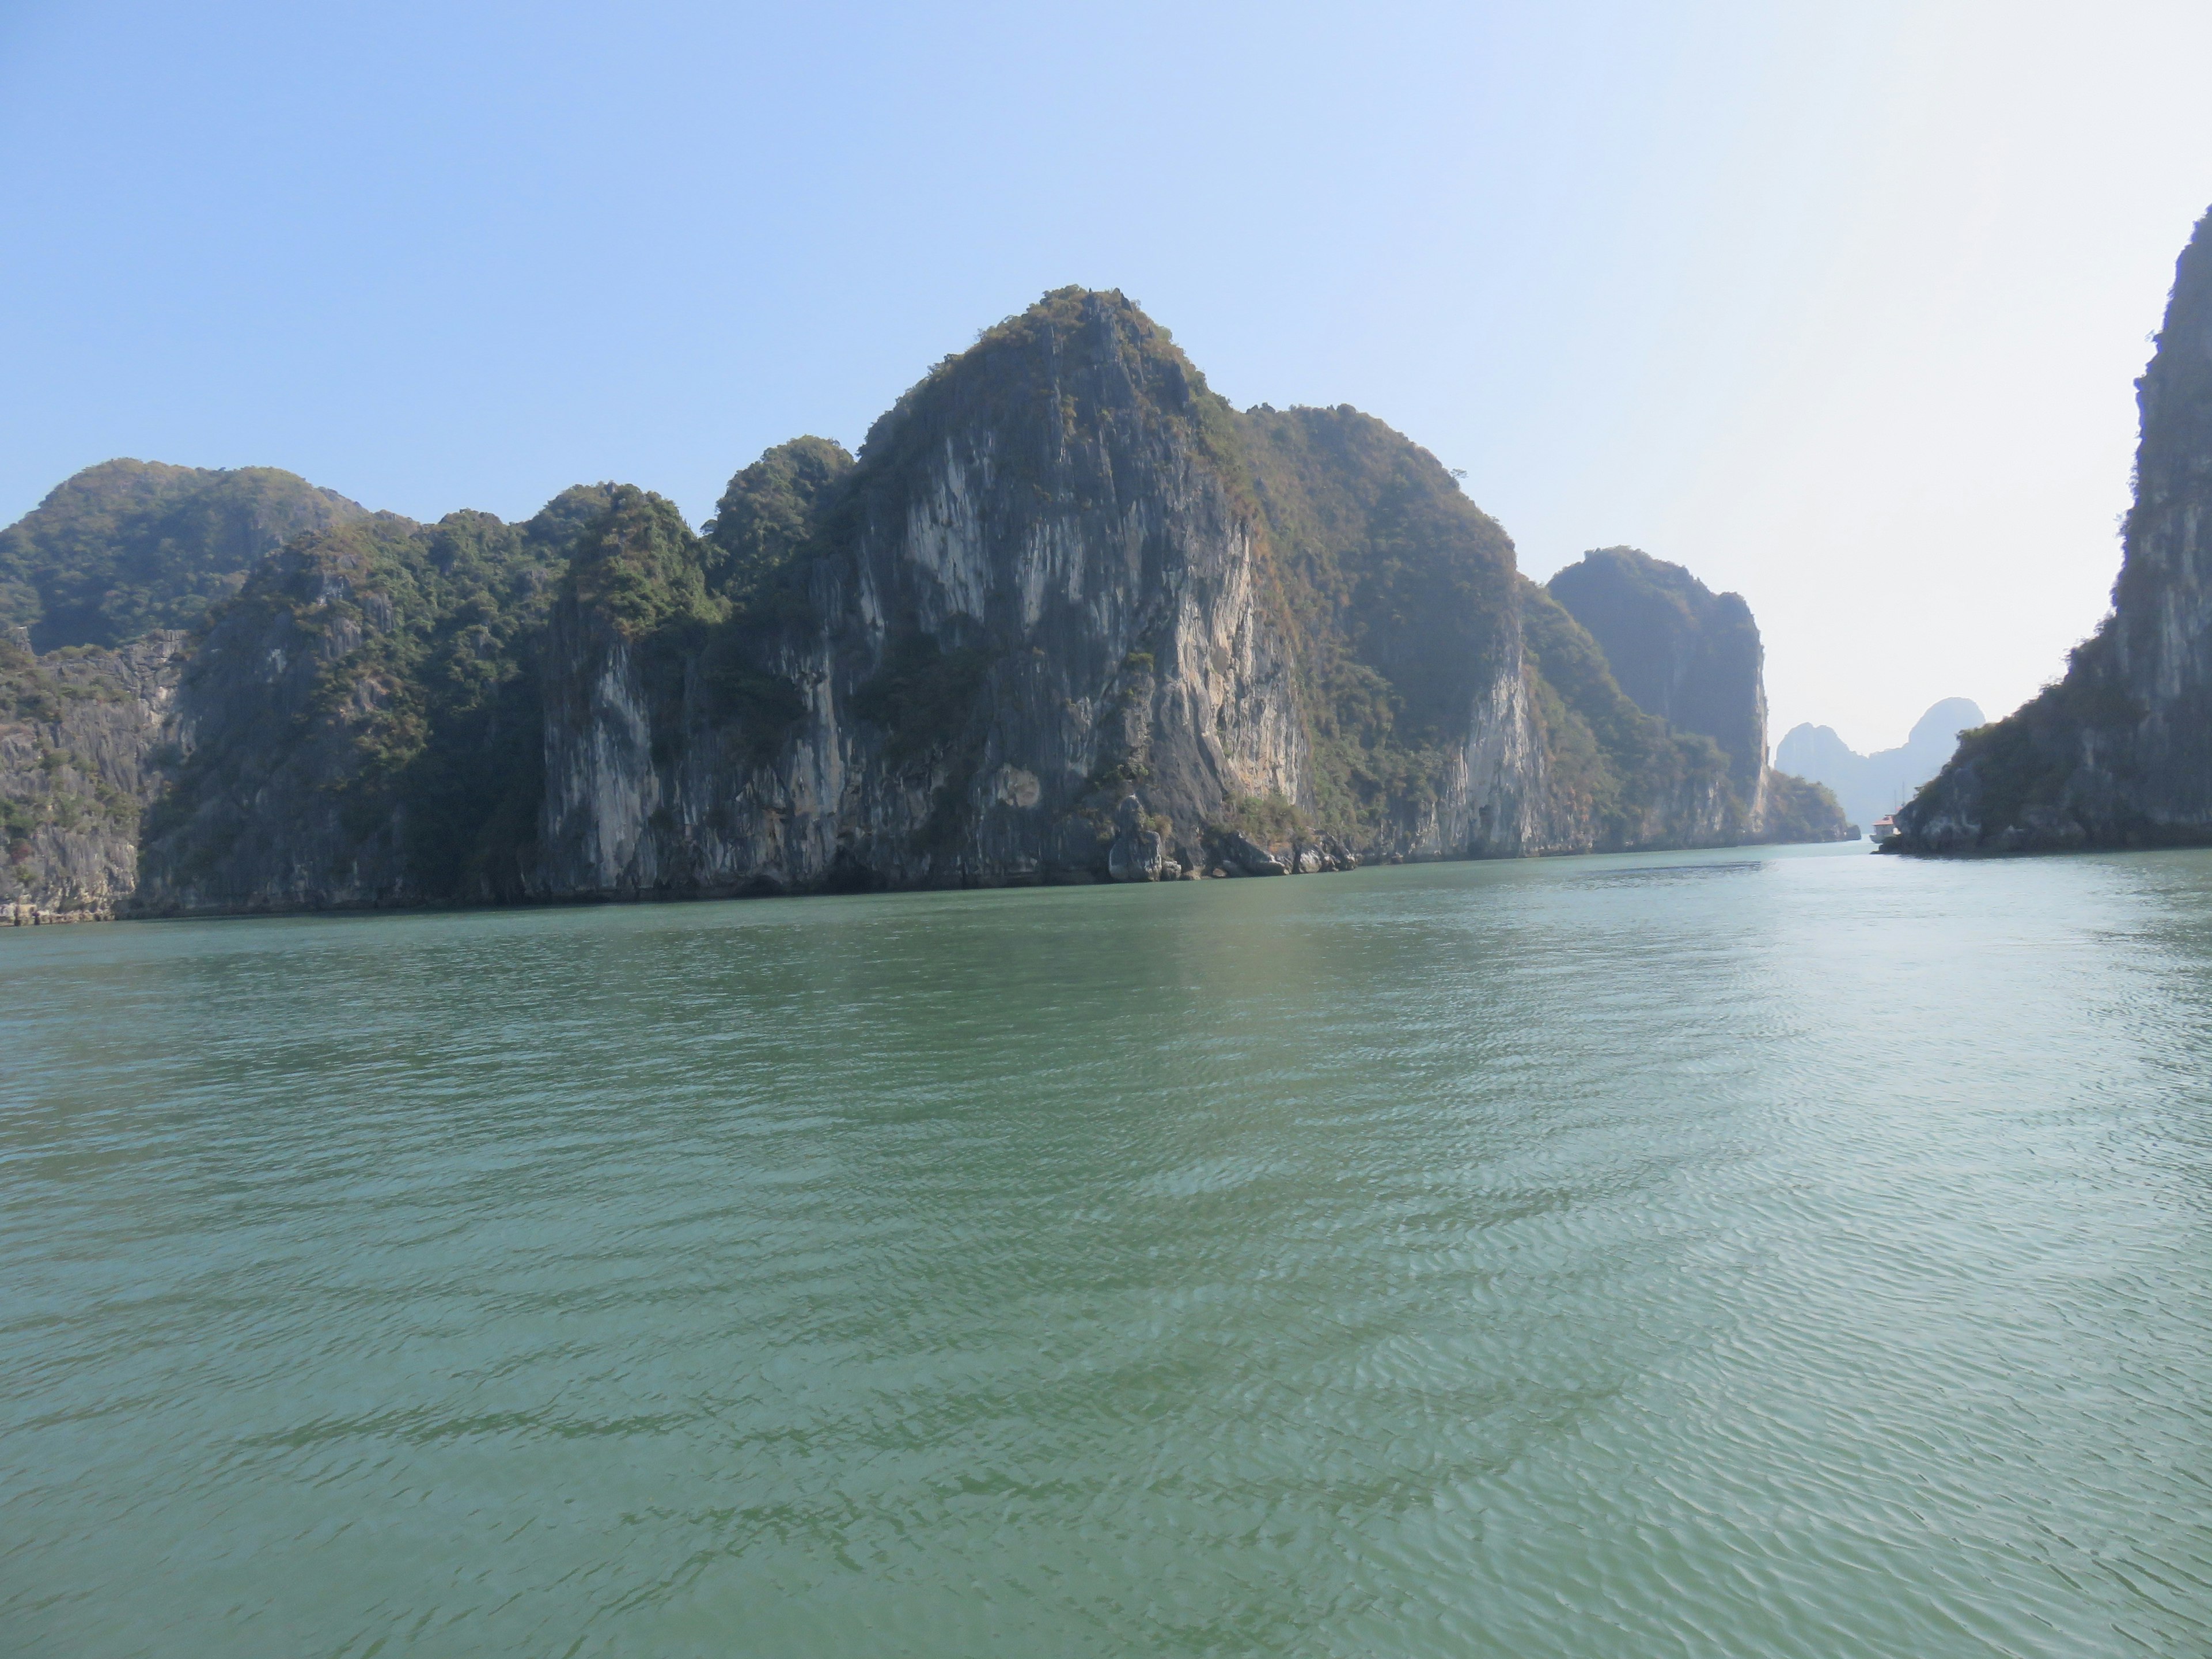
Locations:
1885 829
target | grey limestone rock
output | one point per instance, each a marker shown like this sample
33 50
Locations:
84 734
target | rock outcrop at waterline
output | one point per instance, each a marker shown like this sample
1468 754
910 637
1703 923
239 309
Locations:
2118 752
84 734
1067 617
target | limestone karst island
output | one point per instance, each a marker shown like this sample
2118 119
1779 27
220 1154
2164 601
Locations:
1067 617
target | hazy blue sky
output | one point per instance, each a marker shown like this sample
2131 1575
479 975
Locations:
1839 306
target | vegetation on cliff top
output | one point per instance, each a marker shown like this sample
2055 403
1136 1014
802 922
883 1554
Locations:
128 546
640 567
769 511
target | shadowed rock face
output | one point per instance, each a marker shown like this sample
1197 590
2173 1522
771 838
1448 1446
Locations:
2118 752
1684 653
1692 657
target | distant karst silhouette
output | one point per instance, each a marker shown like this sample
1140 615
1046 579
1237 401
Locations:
1873 786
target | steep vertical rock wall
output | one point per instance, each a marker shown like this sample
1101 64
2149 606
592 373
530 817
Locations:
1035 596
2118 752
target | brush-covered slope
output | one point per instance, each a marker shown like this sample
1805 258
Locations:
2118 752
127 547
1401 597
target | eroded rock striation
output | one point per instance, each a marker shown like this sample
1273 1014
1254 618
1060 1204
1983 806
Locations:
2118 752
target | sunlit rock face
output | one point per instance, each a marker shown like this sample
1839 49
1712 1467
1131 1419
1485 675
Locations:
2119 752
1051 583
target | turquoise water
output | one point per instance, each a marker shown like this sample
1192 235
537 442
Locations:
1742 1253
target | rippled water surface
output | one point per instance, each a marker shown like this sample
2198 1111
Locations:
1721 1254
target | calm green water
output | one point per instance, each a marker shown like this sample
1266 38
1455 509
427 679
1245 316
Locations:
1725 1255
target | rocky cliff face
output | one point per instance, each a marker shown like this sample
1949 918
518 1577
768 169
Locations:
2118 753
1693 658
363 725
1036 594
84 735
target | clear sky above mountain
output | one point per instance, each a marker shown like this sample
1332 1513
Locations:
1838 305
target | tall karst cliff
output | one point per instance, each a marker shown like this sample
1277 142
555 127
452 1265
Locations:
2118 752
1067 616
1693 658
